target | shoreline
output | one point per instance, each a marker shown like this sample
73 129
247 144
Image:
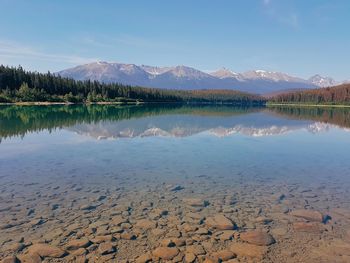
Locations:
124 103
46 103
308 105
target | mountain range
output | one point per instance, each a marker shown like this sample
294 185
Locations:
187 78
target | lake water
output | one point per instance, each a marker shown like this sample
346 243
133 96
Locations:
179 183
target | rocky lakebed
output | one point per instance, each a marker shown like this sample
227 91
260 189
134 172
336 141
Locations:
201 219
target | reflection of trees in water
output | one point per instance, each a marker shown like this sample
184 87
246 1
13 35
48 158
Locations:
337 116
19 120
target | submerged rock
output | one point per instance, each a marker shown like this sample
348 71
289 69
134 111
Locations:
106 248
30 258
310 215
257 238
146 224
10 259
248 250
195 202
220 222
196 249
190 257
78 243
223 255
147 257
310 227
166 253
45 250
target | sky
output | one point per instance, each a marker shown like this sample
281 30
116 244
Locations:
298 37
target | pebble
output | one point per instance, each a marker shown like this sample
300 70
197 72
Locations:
166 253
30 258
78 243
190 257
195 202
220 222
10 259
147 257
309 215
257 238
45 250
106 248
146 224
195 249
248 250
223 255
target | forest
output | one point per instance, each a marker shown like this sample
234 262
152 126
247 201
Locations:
18 85
327 96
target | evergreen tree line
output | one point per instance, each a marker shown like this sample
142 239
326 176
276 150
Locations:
331 95
18 85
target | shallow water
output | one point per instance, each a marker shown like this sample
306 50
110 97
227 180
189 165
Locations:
71 172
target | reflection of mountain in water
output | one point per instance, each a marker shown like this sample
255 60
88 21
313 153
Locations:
108 121
251 124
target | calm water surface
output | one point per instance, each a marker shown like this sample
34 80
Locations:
246 163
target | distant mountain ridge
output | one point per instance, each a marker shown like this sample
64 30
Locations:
187 78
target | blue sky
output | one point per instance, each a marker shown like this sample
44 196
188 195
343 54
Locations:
301 37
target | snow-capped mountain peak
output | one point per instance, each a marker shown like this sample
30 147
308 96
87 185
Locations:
322 81
225 73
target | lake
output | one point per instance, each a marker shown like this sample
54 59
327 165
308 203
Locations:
184 183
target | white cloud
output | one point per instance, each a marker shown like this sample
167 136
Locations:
10 49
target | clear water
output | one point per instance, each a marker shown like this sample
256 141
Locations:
181 141
207 150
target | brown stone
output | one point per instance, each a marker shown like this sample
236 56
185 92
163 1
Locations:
257 238
310 215
146 224
195 249
190 257
195 202
127 236
106 248
118 220
78 243
147 257
202 231
79 252
158 232
166 253
80 259
226 235
248 250
179 242
223 255
167 242
210 260
16 247
101 239
45 250
220 222
310 227
10 259
30 258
